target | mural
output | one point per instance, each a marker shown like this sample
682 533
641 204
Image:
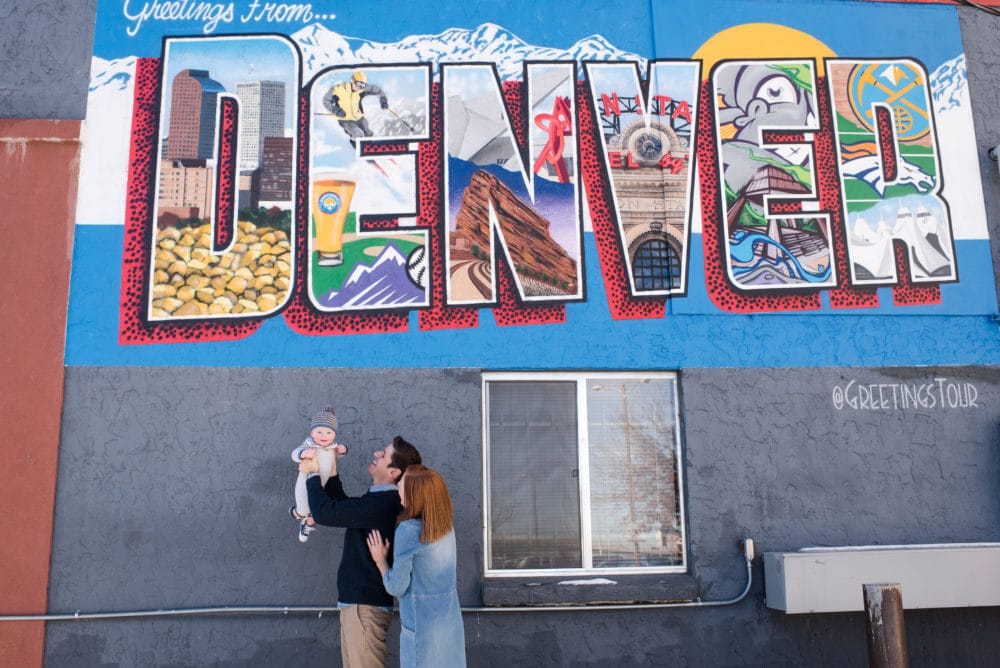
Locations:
264 165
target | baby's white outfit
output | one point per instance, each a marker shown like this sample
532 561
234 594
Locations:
324 457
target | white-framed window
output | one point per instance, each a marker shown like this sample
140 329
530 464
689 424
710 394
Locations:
582 473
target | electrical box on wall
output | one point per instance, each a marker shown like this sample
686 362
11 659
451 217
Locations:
931 576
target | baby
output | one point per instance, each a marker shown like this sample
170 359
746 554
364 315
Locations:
319 445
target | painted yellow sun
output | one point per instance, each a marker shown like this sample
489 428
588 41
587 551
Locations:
756 41
761 40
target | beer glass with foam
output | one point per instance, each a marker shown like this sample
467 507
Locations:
331 202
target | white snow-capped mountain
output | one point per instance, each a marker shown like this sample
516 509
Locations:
488 43
956 141
115 74
948 84
106 142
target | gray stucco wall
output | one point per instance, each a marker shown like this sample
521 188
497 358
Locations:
45 48
174 492
982 61
174 486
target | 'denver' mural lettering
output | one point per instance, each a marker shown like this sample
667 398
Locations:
346 185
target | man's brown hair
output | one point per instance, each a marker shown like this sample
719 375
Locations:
403 455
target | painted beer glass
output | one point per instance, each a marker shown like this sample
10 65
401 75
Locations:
331 202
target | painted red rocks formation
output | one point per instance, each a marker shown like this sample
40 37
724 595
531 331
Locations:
535 254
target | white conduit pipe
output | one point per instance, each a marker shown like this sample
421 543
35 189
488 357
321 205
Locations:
748 554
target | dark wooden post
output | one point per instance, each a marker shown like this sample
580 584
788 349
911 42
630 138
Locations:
884 622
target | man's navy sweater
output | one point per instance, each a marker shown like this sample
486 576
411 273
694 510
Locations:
358 579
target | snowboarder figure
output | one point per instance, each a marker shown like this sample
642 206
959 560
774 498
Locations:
344 102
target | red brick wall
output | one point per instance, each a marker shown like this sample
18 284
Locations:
39 166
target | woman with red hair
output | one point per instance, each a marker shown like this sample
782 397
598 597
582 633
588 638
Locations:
423 576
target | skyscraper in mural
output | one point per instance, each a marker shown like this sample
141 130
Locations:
262 115
192 115
275 173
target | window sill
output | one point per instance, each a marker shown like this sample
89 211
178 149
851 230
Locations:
658 588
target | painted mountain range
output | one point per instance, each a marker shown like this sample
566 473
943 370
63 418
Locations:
384 284
488 43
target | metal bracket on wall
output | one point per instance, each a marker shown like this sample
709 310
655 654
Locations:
746 546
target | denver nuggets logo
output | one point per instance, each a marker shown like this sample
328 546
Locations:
897 85
329 202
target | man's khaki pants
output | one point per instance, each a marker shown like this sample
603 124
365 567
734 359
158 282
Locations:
363 630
